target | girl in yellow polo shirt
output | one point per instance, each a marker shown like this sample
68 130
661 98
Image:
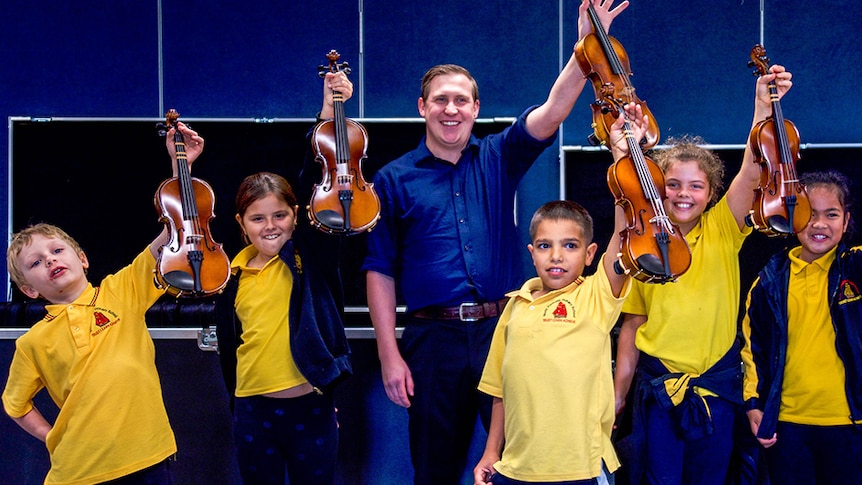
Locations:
681 336
281 337
803 347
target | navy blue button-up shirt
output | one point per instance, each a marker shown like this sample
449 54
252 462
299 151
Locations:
447 232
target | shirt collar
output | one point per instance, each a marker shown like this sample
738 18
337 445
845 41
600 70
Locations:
823 262
86 298
535 284
424 154
240 261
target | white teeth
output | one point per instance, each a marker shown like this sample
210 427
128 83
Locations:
450 123
684 205
271 236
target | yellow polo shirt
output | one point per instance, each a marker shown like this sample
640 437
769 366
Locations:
550 362
264 361
96 359
692 323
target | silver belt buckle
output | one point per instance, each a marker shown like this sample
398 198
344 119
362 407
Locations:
465 318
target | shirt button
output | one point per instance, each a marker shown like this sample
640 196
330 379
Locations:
532 307
457 194
461 221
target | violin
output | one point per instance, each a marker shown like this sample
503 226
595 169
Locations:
781 205
192 264
606 63
652 248
343 202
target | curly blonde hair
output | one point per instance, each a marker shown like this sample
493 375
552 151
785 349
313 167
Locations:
688 148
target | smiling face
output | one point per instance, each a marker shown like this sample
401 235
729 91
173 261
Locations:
268 223
52 269
687 192
449 110
827 224
560 253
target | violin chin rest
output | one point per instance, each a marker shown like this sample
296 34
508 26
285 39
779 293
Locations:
651 265
331 219
180 279
780 224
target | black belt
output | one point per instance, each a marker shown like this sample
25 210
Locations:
466 312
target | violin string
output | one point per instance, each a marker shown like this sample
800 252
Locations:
646 180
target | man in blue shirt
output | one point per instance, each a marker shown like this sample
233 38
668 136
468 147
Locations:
447 235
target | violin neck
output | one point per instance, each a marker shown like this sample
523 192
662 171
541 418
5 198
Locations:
605 41
342 145
644 177
187 194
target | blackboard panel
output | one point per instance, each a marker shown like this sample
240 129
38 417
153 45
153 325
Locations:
96 179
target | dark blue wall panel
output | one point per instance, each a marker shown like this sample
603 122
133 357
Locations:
509 47
254 59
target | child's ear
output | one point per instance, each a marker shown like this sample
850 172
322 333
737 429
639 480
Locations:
591 253
84 261
29 291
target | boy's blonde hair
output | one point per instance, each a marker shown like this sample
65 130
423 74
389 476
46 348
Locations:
22 239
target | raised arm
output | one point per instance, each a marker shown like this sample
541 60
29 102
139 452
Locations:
638 123
740 194
544 121
334 81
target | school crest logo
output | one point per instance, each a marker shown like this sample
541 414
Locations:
298 262
561 310
101 319
104 318
847 292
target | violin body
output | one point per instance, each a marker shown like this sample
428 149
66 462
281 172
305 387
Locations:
343 202
606 64
192 264
652 249
780 206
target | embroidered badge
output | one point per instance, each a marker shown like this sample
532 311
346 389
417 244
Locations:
561 310
101 319
105 318
847 292
298 261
